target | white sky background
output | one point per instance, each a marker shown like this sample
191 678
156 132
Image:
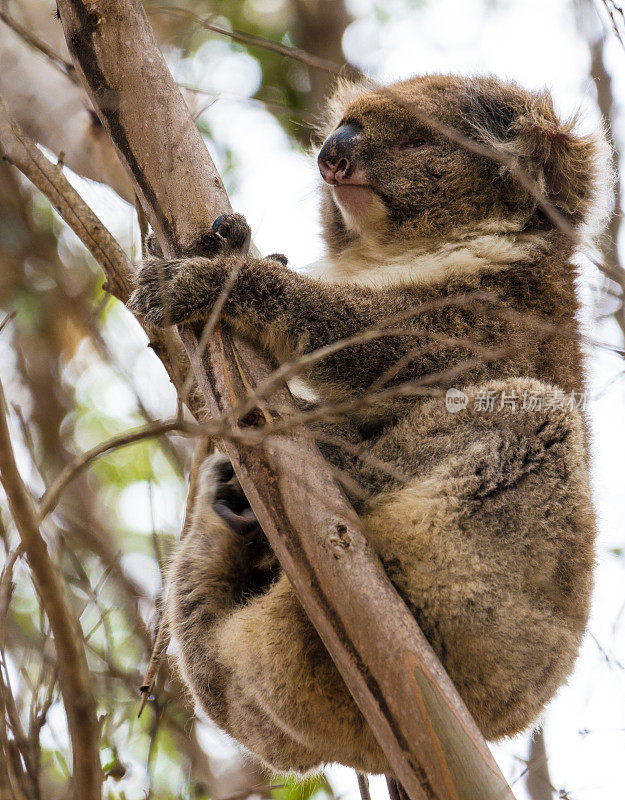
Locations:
536 43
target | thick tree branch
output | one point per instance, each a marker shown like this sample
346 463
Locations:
74 677
432 743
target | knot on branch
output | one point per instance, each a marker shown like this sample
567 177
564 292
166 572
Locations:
340 539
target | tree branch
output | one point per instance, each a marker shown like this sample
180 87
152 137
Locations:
537 780
24 154
431 741
74 677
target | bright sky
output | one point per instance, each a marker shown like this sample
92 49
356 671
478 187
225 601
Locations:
536 43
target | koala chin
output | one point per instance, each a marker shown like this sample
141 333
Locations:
482 517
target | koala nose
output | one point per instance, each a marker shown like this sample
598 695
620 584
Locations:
336 158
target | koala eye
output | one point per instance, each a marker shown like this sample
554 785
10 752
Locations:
411 144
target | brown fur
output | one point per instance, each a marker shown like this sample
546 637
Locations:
484 519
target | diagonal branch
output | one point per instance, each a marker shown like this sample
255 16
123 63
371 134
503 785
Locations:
74 677
431 741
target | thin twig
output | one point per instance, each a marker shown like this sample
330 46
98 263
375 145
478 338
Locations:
8 318
249 39
612 10
53 494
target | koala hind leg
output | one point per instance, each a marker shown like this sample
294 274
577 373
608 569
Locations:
491 546
223 560
247 650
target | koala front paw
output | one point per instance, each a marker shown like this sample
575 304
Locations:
155 298
229 235
174 291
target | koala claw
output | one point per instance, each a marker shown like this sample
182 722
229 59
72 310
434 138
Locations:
230 234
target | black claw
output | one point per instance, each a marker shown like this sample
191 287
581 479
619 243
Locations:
232 496
221 227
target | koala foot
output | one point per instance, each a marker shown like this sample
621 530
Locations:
219 487
174 291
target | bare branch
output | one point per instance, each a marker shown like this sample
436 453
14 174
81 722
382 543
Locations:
537 780
74 678
363 786
615 12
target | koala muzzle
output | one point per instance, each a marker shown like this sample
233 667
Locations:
337 157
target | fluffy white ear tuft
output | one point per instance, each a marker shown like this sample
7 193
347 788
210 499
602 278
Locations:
572 169
345 92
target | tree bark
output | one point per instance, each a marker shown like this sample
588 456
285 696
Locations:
590 26
432 743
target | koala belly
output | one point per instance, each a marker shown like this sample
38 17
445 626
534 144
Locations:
492 548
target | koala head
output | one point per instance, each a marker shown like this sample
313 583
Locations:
396 166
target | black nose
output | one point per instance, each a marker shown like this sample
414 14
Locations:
336 158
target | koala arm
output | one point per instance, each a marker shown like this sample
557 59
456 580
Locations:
290 313
265 296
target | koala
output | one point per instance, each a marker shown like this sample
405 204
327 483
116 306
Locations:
481 514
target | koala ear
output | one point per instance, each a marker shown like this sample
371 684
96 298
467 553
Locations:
574 171
345 92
